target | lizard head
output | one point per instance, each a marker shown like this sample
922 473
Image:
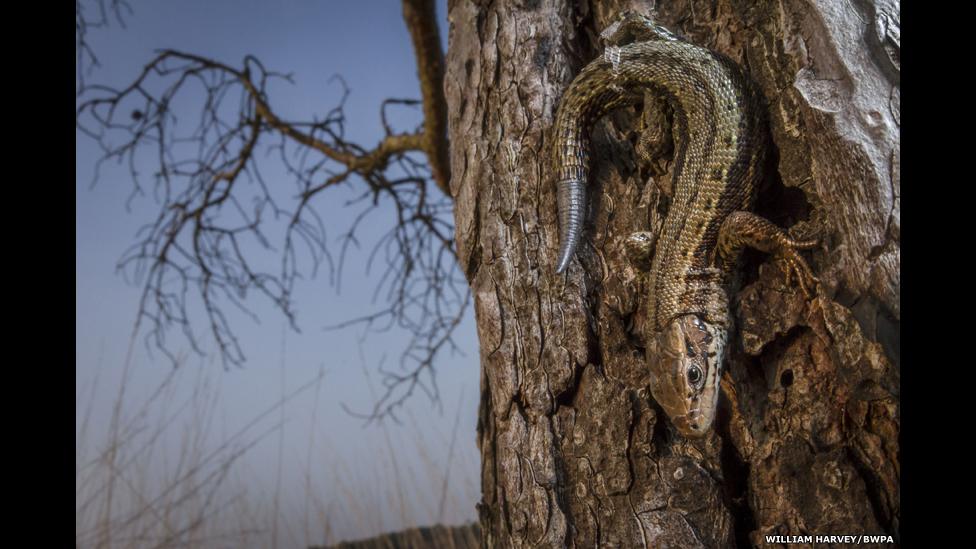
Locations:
686 365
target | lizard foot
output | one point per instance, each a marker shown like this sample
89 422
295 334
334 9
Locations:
793 264
638 247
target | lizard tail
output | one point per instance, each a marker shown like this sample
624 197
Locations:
571 196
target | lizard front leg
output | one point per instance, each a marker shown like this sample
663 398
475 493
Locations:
746 229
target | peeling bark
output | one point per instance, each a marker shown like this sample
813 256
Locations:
575 451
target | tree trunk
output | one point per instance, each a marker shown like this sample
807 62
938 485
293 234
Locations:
575 451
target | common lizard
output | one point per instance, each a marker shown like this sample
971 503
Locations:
720 142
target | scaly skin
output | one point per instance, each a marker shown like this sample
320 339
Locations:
720 143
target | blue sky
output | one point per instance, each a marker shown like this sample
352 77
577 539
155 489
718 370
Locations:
366 43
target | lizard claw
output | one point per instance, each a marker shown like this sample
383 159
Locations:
793 263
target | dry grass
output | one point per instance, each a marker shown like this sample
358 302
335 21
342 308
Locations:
162 472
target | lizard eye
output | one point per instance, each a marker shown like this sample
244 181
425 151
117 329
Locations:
694 375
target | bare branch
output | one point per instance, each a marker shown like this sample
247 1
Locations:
217 214
422 23
97 14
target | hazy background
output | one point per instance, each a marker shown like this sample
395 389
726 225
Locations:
304 472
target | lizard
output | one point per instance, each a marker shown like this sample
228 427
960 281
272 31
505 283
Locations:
720 145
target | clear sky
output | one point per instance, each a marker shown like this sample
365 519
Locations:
350 470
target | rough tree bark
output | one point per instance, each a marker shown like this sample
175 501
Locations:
575 452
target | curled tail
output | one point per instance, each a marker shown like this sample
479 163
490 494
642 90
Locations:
590 96
594 92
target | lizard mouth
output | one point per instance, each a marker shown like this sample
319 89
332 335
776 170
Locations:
691 425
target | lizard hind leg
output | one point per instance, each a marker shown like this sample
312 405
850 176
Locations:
638 247
742 229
